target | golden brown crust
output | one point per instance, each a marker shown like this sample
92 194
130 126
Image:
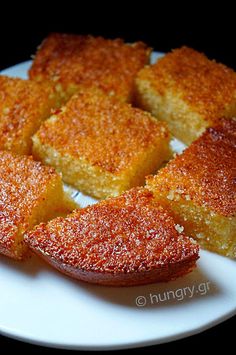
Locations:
107 133
23 105
208 87
126 240
110 65
206 171
22 185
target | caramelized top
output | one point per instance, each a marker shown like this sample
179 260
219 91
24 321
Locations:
110 65
206 171
23 183
124 234
23 105
205 85
105 132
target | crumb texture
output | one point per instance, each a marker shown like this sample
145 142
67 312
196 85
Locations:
106 133
23 187
206 86
72 60
24 105
206 171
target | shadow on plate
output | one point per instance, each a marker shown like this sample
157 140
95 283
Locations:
29 267
190 288
193 287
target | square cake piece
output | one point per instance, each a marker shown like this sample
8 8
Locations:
29 193
188 91
69 61
24 104
199 186
125 241
101 146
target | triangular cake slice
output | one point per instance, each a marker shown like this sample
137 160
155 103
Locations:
123 241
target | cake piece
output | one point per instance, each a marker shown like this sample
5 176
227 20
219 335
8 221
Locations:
29 193
101 146
24 105
188 91
69 61
124 241
199 186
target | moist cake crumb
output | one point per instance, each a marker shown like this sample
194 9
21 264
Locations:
102 147
188 91
206 173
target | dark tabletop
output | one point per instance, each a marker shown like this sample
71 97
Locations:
21 30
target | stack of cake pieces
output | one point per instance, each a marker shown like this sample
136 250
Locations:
99 142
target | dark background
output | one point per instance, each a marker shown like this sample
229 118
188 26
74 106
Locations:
212 32
162 27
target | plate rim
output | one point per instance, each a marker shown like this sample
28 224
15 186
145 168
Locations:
131 345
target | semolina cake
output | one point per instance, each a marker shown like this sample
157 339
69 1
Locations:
102 146
188 91
29 193
70 61
24 104
124 241
199 186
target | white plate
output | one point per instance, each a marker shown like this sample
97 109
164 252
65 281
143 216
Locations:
41 306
